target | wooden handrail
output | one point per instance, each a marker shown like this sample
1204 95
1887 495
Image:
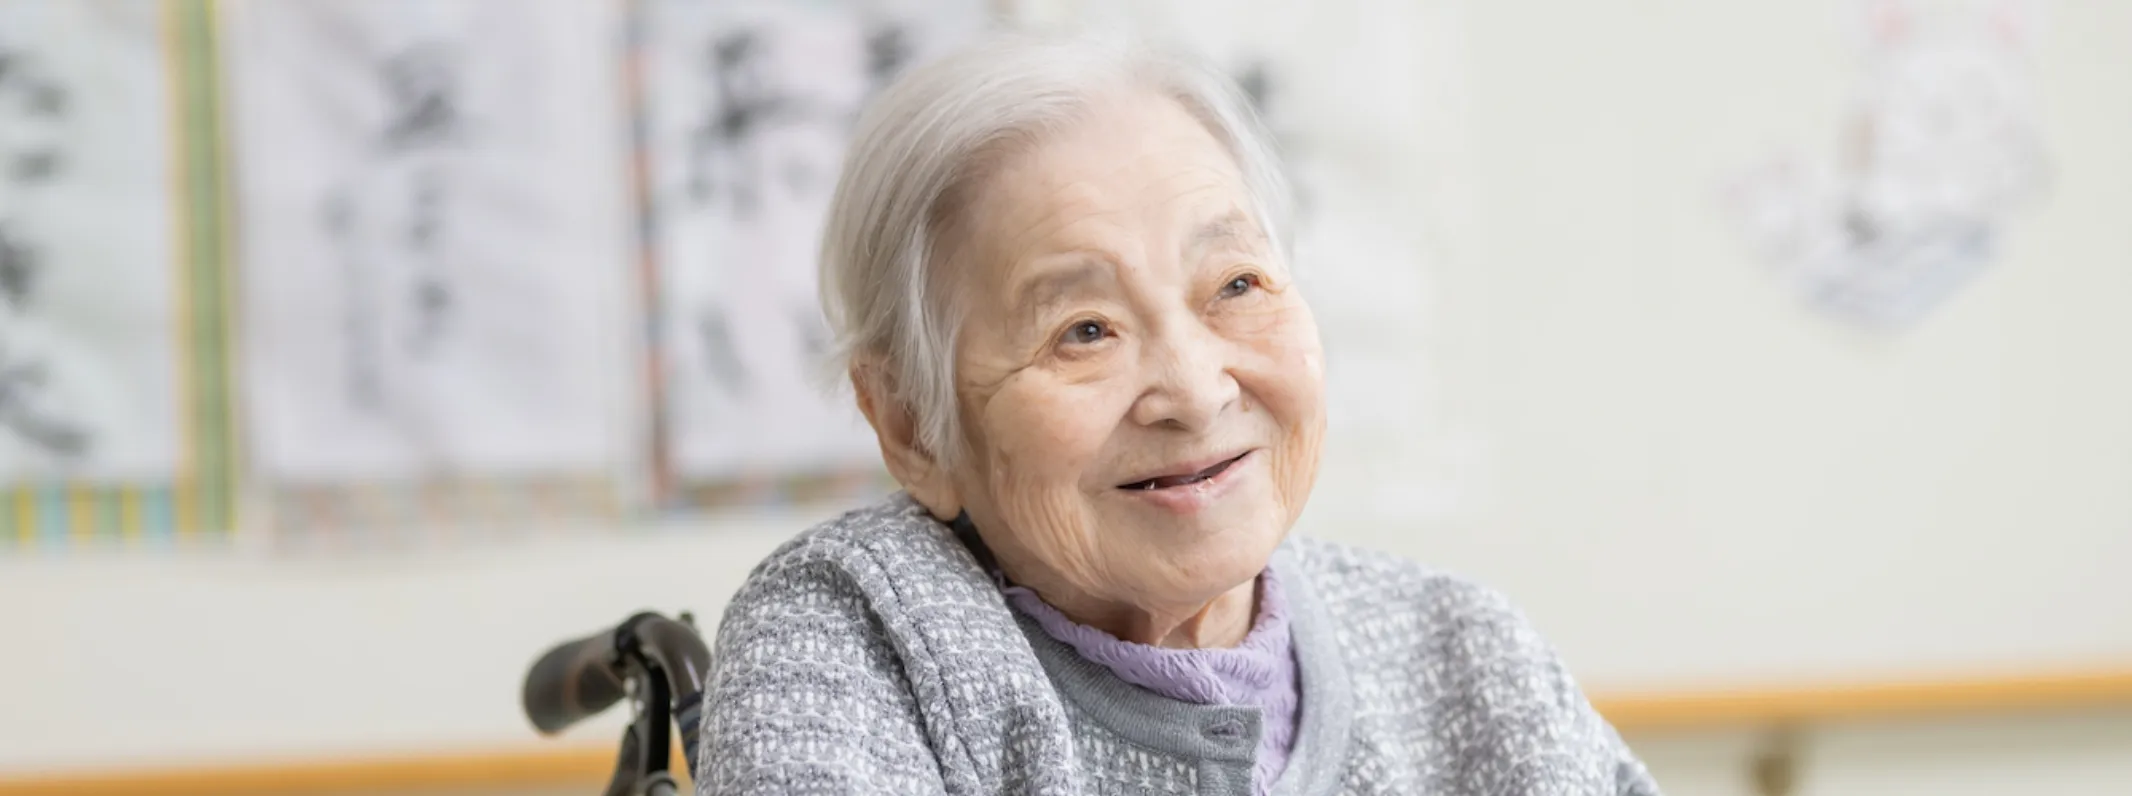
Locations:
533 767
1878 701
1632 713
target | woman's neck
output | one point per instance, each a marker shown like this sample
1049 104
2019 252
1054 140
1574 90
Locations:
1217 623
1220 622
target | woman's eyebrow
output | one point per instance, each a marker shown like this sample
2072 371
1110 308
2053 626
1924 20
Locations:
1053 281
1231 230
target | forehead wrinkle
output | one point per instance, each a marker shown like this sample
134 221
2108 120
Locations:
1186 192
1082 218
1003 249
1083 265
1059 222
1048 259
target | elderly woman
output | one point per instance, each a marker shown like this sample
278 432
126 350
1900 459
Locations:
1058 270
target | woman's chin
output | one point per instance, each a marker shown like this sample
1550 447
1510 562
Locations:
1237 524
1209 562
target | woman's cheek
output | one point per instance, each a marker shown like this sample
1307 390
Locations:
1294 377
1287 363
1045 435
1045 430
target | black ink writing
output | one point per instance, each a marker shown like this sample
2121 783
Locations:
363 385
390 216
888 50
22 410
744 99
18 269
31 99
421 85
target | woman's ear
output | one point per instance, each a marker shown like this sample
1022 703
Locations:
908 461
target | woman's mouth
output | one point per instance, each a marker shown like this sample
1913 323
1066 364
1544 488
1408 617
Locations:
1191 491
1185 479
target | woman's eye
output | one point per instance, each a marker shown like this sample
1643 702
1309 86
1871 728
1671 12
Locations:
1242 284
1086 333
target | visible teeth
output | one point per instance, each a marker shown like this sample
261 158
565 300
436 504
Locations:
1168 481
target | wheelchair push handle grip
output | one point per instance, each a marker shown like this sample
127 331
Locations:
572 682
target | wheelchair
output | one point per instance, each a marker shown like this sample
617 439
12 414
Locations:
658 664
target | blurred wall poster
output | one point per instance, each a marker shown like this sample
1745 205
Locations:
749 105
432 199
1941 143
88 265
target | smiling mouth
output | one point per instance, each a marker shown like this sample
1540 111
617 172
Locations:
1188 479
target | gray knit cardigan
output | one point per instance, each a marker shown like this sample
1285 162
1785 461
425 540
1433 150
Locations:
874 655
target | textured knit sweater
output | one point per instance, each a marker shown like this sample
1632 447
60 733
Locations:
874 655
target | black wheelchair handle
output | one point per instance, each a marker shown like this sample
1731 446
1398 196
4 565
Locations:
573 682
578 679
676 651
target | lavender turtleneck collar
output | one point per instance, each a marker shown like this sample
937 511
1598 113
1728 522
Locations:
1259 672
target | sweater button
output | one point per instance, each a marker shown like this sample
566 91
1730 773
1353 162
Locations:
1225 731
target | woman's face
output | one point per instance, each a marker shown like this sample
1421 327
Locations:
1140 381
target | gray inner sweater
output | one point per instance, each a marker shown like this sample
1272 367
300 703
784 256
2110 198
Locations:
1258 672
873 654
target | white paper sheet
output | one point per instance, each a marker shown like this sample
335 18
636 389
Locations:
750 104
433 217
88 319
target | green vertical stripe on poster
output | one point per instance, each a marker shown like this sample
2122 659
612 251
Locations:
212 483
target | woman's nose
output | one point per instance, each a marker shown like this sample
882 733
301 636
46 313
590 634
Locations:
1189 385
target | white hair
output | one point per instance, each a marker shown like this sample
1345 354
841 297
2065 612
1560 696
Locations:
939 131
